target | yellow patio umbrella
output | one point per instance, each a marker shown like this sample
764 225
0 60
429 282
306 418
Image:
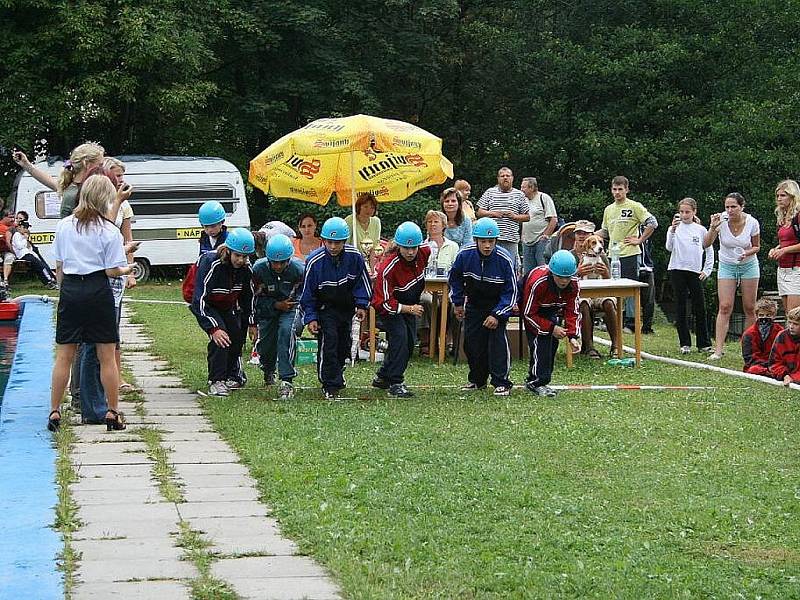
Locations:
349 155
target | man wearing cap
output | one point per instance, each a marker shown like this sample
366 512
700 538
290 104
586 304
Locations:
591 266
543 220
508 207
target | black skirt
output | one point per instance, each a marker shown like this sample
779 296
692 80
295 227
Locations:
86 312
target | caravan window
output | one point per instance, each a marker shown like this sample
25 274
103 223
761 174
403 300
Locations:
48 205
180 202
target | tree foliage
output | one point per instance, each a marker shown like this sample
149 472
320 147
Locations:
686 98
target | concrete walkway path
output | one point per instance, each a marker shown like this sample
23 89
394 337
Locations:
130 531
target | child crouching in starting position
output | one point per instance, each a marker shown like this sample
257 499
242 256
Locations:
757 339
336 286
548 293
278 279
223 305
784 359
398 287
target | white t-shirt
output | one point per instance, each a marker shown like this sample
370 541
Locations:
541 209
514 201
94 248
686 246
125 212
731 247
19 244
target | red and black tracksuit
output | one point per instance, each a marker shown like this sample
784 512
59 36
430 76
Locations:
223 299
755 349
399 282
545 305
784 358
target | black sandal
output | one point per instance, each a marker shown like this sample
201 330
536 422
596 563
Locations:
54 424
117 423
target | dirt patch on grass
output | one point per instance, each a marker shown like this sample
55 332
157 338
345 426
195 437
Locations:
753 555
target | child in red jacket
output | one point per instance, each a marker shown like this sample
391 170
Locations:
550 309
757 339
784 359
398 286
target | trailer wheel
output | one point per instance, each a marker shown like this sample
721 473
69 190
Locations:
141 270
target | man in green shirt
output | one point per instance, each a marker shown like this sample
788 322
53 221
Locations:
621 221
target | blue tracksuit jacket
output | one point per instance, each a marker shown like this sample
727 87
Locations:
488 282
341 283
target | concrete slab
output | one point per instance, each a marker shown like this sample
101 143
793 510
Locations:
264 545
92 435
246 508
140 590
188 469
116 528
199 447
217 481
172 410
189 436
203 457
245 529
114 569
116 472
110 459
109 483
286 588
111 495
158 381
265 567
107 513
124 446
231 494
156 549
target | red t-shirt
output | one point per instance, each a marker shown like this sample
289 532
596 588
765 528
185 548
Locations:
786 237
4 246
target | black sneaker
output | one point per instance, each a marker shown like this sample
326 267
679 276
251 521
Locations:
399 390
472 387
269 379
331 395
502 390
541 390
380 383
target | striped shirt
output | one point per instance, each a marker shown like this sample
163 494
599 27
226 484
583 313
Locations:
513 200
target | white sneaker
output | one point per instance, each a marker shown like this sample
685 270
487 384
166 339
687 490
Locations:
715 356
233 384
686 349
254 358
218 388
286 391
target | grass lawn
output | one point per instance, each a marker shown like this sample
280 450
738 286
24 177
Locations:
598 494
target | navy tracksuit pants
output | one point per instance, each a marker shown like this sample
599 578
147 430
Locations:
226 363
335 326
277 343
542 350
486 349
401 333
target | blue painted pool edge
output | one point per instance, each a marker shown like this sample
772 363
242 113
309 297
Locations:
28 545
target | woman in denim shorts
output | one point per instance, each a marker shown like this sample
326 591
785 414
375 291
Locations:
739 241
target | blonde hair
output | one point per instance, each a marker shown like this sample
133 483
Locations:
690 202
766 305
785 216
794 315
97 192
439 215
110 162
80 159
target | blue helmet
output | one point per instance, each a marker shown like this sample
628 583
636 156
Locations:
279 248
211 213
241 241
408 235
486 227
335 229
563 264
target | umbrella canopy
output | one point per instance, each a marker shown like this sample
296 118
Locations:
349 155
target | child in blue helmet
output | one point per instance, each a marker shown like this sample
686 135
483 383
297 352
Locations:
551 312
223 305
336 286
278 280
483 290
212 217
398 286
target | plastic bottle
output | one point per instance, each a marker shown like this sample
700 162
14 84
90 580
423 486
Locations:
616 267
432 260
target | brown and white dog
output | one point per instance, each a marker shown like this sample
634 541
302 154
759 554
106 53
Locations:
593 254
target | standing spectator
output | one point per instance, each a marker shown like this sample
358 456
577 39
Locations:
483 290
88 250
75 170
367 225
308 240
621 221
509 207
465 189
24 252
787 252
6 249
536 232
739 241
689 267
443 253
459 225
